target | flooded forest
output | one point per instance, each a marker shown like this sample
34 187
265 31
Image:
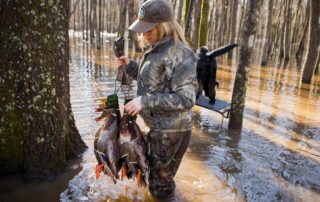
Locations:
57 60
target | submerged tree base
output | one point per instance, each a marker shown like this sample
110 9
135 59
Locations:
38 132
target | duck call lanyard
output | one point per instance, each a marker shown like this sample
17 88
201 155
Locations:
122 77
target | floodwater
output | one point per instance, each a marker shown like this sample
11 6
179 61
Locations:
276 156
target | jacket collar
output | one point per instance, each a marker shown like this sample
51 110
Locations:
161 44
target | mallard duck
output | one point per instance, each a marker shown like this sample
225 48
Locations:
106 146
132 151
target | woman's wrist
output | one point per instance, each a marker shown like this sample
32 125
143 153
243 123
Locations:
127 61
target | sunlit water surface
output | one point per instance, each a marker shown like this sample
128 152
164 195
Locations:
276 157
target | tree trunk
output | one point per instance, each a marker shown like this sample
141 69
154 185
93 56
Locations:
276 36
132 15
296 22
108 17
318 63
210 28
313 41
123 17
179 16
38 132
268 43
87 20
204 22
233 25
222 23
186 11
74 7
241 80
93 19
197 16
282 34
99 29
173 2
216 24
83 20
188 19
243 11
287 45
301 47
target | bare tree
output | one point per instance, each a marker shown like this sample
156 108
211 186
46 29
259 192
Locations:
132 15
301 47
287 45
179 16
240 85
123 18
233 24
313 42
196 28
268 41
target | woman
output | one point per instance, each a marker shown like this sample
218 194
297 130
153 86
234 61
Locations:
166 92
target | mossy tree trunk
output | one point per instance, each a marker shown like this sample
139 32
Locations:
203 33
186 10
313 42
241 80
37 128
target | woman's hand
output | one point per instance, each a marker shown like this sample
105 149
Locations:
123 60
134 106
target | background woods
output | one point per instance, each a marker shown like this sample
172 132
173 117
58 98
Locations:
282 35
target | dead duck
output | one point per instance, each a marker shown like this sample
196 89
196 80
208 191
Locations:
106 147
127 154
133 151
140 147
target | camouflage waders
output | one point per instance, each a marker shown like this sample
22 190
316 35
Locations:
165 152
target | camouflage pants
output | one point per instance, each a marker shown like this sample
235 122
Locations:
165 152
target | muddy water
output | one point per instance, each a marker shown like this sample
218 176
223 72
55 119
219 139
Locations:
276 157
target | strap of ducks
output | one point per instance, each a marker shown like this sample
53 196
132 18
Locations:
119 146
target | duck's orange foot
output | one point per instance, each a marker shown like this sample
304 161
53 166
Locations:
123 172
139 178
99 169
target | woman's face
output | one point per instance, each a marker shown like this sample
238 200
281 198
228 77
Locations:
151 36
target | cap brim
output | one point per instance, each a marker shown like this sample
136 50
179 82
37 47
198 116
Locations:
142 26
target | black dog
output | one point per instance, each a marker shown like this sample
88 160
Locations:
207 70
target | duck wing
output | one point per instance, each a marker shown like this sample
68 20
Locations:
107 147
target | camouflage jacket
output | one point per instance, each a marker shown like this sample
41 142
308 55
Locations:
167 85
